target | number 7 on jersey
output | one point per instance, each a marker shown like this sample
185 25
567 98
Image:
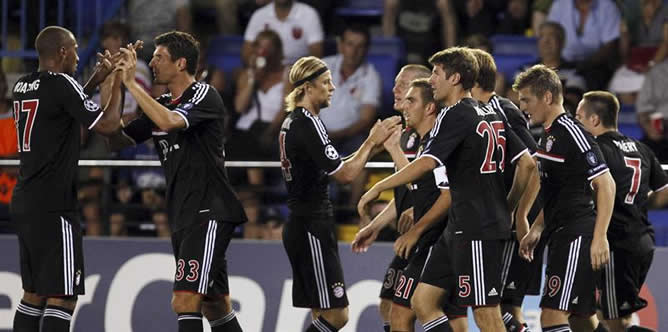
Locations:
29 106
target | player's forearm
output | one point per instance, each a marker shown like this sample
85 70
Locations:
539 224
604 187
118 140
386 216
354 164
523 172
398 157
408 174
93 81
165 119
435 213
110 95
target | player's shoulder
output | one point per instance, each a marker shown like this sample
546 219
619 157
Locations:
200 93
570 129
62 80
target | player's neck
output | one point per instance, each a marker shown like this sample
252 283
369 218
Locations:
456 96
177 87
602 130
552 114
485 96
49 65
309 106
425 125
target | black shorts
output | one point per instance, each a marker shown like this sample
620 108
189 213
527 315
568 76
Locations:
392 276
570 281
51 253
438 272
411 276
199 251
316 267
621 282
521 277
477 266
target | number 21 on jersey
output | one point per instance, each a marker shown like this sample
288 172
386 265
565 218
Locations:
495 139
28 106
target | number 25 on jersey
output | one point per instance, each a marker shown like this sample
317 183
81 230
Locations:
493 131
30 107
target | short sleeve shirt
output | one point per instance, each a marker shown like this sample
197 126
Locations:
568 160
308 158
300 29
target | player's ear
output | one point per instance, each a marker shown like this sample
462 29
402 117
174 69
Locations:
431 108
455 78
182 64
548 98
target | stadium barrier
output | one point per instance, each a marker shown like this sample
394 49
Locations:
129 281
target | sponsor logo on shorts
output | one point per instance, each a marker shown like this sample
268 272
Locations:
338 290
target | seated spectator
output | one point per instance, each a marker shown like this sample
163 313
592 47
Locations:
261 90
296 23
425 26
139 194
642 43
477 17
550 45
592 33
539 10
516 19
652 109
357 96
8 149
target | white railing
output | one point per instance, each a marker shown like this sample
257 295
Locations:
154 163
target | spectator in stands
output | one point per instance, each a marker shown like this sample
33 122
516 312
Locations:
357 97
516 19
592 33
477 16
539 10
425 26
643 42
139 194
8 149
296 23
551 41
272 224
150 18
652 109
261 90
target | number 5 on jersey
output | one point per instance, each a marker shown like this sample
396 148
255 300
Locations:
29 106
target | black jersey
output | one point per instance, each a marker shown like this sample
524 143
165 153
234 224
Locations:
427 189
193 158
568 159
470 139
636 172
308 158
49 109
516 122
410 141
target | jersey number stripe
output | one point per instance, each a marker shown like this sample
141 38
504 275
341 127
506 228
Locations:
494 131
29 106
285 162
634 164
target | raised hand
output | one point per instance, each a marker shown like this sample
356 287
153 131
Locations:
382 129
394 140
128 64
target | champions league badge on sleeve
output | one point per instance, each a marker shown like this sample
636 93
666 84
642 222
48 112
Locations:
331 152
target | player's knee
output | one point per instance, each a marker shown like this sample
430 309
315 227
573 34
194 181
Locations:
186 302
385 308
550 317
337 317
216 308
459 324
487 316
34 299
67 302
402 316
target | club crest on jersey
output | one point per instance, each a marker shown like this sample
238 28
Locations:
591 158
91 106
338 290
331 152
549 143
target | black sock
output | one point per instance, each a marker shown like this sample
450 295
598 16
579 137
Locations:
557 328
511 323
438 325
190 322
227 323
386 326
321 325
56 319
636 328
27 317
600 328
